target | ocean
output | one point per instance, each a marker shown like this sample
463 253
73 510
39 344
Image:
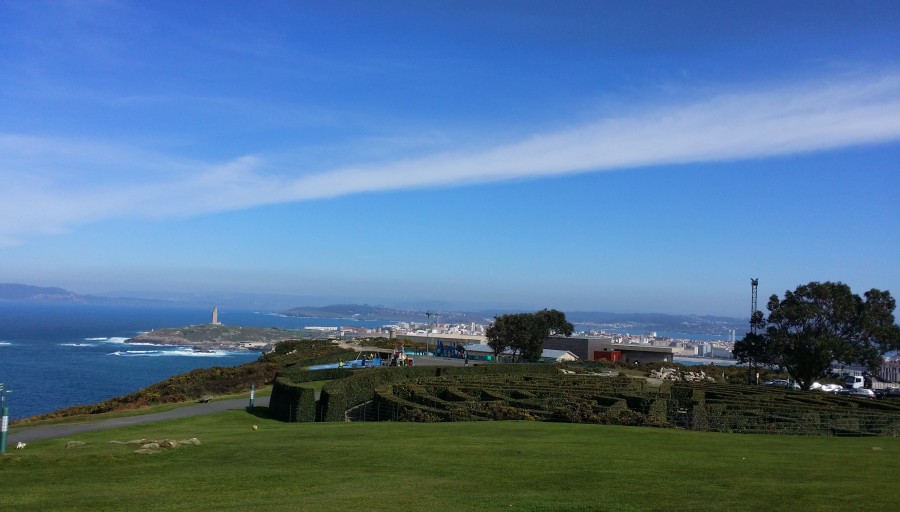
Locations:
58 355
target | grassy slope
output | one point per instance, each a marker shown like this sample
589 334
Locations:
449 466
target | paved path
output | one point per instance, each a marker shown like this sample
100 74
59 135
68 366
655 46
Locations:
40 432
36 433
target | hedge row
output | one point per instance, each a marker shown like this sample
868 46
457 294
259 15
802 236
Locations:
541 392
700 406
340 395
290 402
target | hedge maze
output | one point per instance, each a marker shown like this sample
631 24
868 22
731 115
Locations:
544 393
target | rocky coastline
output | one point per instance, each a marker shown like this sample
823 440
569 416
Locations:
216 337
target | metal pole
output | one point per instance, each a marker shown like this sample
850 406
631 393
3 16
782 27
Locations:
252 392
4 422
4 425
428 333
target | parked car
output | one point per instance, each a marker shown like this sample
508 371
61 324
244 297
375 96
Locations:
893 393
858 392
781 383
829 388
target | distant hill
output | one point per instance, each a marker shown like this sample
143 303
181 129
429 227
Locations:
28 293
365 312
11 291
632 322
647 322
636 322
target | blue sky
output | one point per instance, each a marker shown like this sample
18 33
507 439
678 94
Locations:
609 156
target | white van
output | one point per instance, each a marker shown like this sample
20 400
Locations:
854 382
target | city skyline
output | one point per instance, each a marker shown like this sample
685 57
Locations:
645 157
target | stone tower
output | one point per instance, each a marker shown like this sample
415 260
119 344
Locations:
215 315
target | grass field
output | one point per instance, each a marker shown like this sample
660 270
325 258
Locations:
449 467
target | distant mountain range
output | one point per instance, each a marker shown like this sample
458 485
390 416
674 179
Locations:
365 312
635 323
28 293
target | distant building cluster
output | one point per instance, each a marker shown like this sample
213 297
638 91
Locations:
475 333
592 344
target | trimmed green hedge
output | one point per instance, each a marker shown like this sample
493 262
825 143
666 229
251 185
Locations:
541 392
340 395
290 402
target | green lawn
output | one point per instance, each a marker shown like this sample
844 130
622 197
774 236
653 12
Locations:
449 467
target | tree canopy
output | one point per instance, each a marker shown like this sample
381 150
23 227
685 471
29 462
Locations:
524 333
819 324
556 322
753 348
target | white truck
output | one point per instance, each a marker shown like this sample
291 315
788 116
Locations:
854 382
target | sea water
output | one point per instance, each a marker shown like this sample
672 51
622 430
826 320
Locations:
57 355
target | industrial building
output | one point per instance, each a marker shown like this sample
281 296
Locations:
598 348
483 352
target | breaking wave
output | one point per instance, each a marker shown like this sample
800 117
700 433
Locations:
179 352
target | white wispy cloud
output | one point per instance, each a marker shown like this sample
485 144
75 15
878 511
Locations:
48 185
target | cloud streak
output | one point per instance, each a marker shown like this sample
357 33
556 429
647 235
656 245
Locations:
50 185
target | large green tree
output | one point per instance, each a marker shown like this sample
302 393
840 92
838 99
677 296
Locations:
753 350
524 333
820 323
556 322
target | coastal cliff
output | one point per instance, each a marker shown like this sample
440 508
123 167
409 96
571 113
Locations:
216 337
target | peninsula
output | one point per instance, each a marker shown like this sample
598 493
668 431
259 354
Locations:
216 337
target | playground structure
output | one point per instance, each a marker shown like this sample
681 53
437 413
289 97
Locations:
400 357
457 351
362 361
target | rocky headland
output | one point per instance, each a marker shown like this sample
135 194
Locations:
208 337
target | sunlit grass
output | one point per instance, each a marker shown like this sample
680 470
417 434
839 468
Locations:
448 467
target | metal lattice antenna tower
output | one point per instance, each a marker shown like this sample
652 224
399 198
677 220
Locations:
753 284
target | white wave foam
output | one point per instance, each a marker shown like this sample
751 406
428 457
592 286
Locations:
182 352
5 343
77 345
117 340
